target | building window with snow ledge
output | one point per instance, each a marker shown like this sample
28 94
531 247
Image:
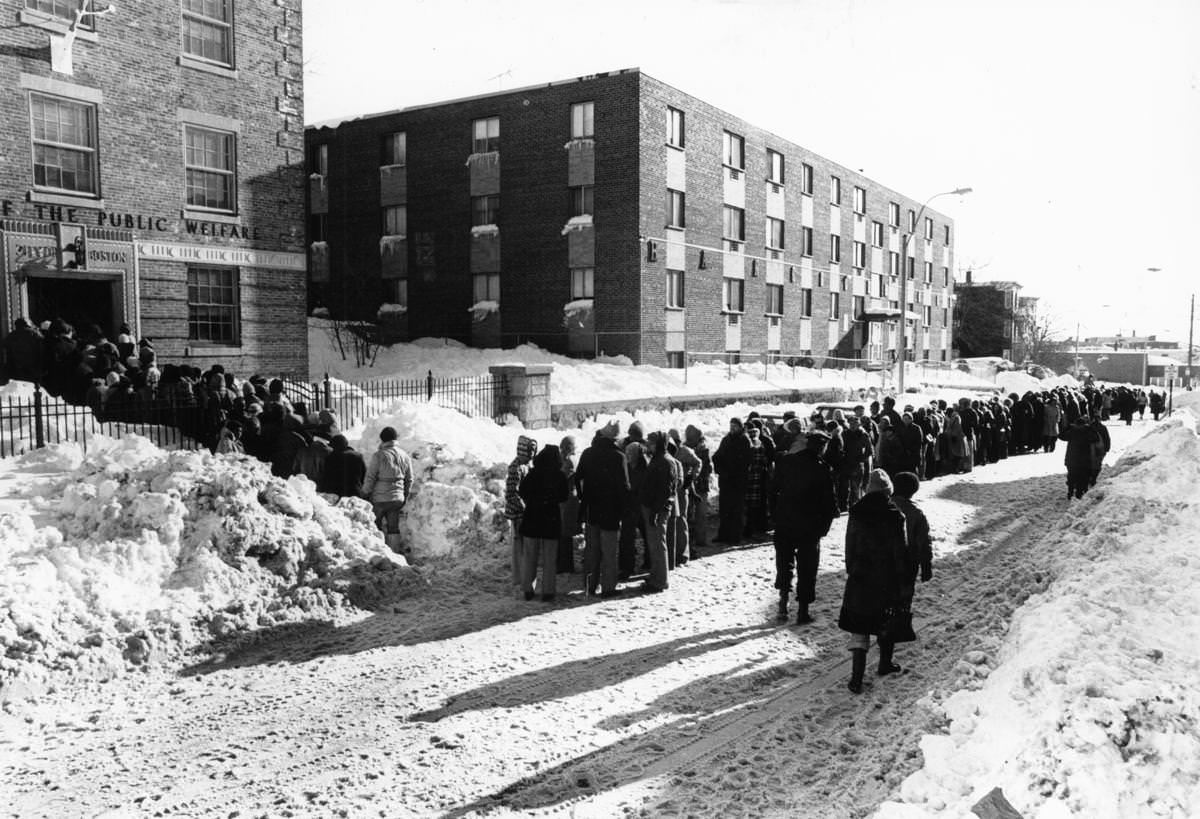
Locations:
208 31
835 190
583 282
675 131
776 233
486 135
775 167
733 292
806 179
318 159
396 291
583 120
64 145
395 149
860 201
676 202
774 300
485 210
486 287
733 150
582 200
213 304
395 220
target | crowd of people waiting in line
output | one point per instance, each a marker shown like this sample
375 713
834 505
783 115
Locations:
121 381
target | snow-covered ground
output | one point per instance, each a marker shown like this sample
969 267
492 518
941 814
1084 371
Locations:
1057 657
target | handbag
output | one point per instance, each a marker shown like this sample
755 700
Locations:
897 625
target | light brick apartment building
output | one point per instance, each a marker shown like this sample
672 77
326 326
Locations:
615 214
151 173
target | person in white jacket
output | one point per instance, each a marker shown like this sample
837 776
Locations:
388 481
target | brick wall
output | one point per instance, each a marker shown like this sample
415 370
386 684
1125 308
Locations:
133 60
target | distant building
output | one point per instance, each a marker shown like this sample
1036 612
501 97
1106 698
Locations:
151 173
613 213
1130 342
986 318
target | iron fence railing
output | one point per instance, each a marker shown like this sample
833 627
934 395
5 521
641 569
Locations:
353 402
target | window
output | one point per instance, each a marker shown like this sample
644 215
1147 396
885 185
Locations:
859 306
775 231
774 299
894 214
806 179
674 288
64 9
877 234
894 264
208 30
945 277
318 159
485 210
860 254
486 287
927 316
486 133
734 150
912 220
946 229
775 166
395 149
835 190
583 282
583 120
395 220
945 316
676 204
209 164
928 229
928 272
912 267
734 227
396 291
806 302
844 283
582 200
64 144
674 127
212 294
318 227
835 306
835 248
860 200
806 241
733 292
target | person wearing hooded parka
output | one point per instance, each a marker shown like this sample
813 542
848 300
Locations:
543 489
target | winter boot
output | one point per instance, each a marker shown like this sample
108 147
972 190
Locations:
858 665
886 666
802 616
783 607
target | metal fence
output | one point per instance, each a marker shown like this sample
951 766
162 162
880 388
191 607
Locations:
478 396
33 422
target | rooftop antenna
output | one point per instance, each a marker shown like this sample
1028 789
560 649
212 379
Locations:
62 45
499 78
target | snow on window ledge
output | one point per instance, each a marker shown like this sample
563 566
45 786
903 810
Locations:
482 309
386 169
485 230
486 158
320 312
391 310
391 244
319 248
579 142
577 223
577 313
578 306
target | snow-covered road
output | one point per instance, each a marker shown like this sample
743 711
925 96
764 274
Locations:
468 701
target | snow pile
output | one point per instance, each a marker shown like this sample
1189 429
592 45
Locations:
1092 706
133 554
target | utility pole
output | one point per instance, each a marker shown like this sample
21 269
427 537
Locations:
1187 383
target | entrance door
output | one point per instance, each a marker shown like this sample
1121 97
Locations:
79 302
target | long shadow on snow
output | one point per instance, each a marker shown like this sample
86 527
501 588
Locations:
577 676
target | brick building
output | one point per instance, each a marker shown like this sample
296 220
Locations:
987 318
613 213
151 173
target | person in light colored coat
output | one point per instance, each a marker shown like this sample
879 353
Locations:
388 482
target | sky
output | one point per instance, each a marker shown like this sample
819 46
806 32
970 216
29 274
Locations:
1076 124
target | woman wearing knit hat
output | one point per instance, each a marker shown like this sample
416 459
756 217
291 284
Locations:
876 569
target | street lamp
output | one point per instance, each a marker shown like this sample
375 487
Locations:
902 340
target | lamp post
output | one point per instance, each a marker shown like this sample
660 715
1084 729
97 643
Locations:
902 337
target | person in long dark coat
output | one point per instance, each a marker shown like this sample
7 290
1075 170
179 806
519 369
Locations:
805 501
876 568
1080 438
1099 449
731 462
543 489
602 482
916 530
344 469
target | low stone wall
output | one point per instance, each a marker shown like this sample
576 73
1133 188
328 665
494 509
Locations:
569 416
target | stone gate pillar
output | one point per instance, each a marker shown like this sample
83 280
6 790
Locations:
528 392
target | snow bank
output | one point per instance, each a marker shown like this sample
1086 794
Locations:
1092 706
133 555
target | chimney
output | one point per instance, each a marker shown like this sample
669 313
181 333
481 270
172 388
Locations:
968 277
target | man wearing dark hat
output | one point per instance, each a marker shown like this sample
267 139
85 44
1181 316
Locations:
23 352
805 505
731 462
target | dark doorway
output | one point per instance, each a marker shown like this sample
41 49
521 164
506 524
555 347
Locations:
79 302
